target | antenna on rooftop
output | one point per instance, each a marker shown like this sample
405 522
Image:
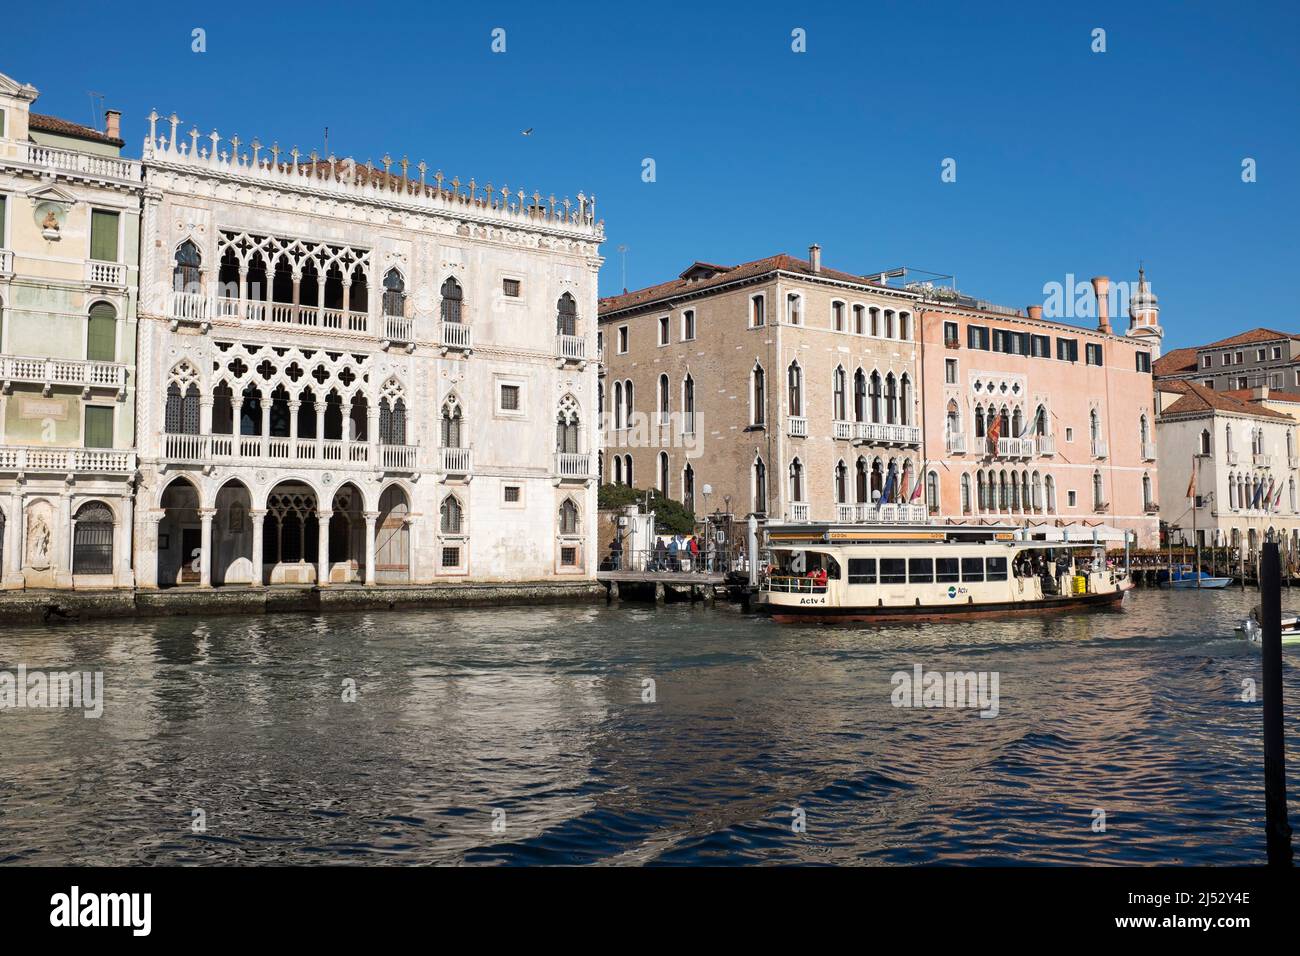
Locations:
623 252
327 140
96 109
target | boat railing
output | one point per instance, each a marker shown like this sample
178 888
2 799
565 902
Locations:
787 584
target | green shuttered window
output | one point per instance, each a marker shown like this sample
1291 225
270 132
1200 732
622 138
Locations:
99 427
103 235
101 338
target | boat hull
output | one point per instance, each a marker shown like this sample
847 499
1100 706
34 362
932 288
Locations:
1192 584
820 614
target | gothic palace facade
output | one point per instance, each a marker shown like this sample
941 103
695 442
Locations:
352 374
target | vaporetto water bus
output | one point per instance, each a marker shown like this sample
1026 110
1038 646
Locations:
843 573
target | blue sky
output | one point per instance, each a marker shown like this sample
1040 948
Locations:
1068 161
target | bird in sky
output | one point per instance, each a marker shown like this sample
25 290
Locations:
528 132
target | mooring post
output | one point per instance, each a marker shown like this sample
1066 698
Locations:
1277 828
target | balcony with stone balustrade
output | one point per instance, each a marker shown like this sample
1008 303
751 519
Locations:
105 275
881 433
571 348
86 374
43 459
208 450
572 466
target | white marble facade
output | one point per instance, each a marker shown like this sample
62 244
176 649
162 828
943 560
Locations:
356 375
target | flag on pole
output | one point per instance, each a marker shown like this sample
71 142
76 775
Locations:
1268 495
1277 499
1191 485
888 491
916 486
1259 492
995 428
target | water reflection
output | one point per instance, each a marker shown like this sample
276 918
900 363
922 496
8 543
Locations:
539 715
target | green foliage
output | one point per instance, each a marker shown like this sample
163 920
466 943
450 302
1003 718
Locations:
671 517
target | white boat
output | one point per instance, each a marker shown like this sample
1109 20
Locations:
843 573
1254 633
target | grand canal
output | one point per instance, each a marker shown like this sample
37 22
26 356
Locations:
632 734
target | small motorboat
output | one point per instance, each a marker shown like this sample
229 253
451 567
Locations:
1255 633
1184 577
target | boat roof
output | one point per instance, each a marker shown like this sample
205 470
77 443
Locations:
1034 537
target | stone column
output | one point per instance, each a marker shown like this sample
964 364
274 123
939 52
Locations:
205 547
63 551
320 431
294 406
205 414
266 422
259 518
372 432
146 557
14 518
323 548
126 535
371 518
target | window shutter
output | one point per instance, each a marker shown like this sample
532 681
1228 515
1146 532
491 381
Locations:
99 427
103 236
101 337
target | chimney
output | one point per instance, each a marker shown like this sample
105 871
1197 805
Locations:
1035 312
1101 289
1259 392
815 257
113 123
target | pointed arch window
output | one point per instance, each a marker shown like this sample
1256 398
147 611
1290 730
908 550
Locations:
187 270
452 420
841 483
932 491
891 399
663 473
392 421
688 488
795 378
450 515
688 405
838 395
568 517
760 486
664 399
451 302
965 494
566 315
758 396
796 480
859 396
394 294
567 437
876 398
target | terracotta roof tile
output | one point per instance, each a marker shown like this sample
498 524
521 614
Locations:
62 127
1274 395
746 270
1175 363
1198 398
1250 337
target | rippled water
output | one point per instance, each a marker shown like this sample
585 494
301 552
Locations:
539 713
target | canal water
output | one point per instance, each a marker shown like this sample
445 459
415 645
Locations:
635 734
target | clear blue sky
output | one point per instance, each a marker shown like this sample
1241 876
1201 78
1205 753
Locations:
1068 161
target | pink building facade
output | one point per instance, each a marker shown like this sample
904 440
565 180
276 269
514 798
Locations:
1035 422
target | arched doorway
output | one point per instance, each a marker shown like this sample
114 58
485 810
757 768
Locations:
347 536
92 539
393 538
291 534
232 536
180 535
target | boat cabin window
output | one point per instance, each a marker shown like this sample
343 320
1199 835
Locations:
996 569
862 570
945 570
920 570
972 569
893 571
